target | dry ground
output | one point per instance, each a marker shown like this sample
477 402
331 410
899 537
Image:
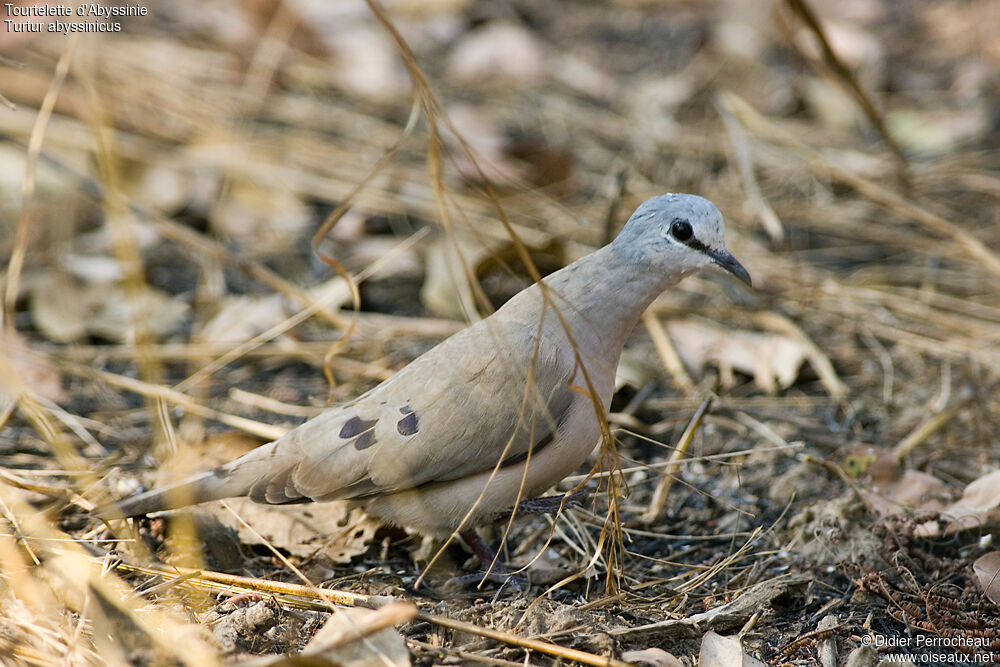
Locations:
169 301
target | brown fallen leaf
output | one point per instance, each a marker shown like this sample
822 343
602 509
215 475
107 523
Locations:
501 51
446 289
719 651
654 657
939 132
60 306
887 487
979 505
64 308
869 464
914 491
242 317
260 219
356 637
772 359
486 142
987 569
333 529
20 370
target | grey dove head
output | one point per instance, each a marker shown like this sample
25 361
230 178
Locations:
678 234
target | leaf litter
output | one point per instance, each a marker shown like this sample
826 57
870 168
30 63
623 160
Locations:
845 471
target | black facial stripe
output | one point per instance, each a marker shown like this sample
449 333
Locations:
695 244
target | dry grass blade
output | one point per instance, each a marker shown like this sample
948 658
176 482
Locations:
74 578
700 578
531 644
659 498
668 353
847 77
756 202
765 128
169 395
819 360
14 268
310 597
920 434
193 158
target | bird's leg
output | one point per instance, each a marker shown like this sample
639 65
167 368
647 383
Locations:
496 570
486 555
546 505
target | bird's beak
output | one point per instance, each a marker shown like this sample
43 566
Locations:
729 263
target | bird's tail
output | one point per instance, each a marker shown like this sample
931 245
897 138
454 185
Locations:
212 485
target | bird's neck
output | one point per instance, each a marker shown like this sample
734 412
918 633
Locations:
609 296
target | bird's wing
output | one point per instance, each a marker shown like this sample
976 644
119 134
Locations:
456 411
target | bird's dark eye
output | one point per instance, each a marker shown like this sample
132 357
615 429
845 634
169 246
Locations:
681 231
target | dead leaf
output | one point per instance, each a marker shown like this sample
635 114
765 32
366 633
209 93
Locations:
634 370
772 359
869 464
968 31
987 568
937 132
487 143
347 639
60 306
158 311
446 289
243 317
913 491
654 657
263 220
332 529
978 505
25 370
65 308
887 487
719 651
498 51
367 251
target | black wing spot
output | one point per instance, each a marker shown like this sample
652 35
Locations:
356 425
406 409
409 424
365 440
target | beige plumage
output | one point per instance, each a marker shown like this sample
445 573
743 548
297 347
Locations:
495 414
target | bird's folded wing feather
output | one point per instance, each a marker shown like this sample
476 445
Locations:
449 414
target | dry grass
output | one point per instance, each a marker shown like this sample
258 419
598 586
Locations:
199 164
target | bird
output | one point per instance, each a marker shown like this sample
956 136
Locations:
499 412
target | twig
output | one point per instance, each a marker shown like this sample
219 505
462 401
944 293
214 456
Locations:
668 353
816 161
21 237
169 395
922 432
652 512
318 599
846 77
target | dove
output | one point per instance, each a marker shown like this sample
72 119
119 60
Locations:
499 412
